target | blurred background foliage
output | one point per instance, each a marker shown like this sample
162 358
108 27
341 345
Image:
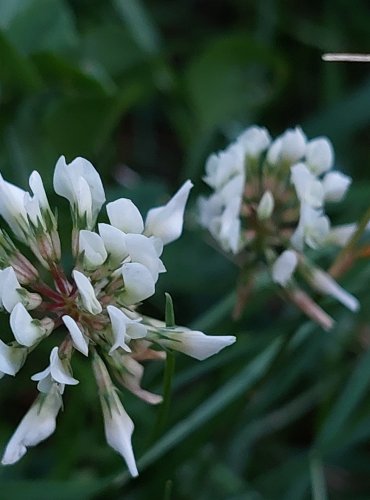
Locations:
146 89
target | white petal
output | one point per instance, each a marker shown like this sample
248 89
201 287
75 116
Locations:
59 371
38 424
254 140
308 188
93 247
25 329
166 221
284 267
324 283
131 379
209 208
118 431
12 207
78 338
319 155
265 206
194 343
9 285
67 183
138 281
221 167
335 185
11 358
124 215
141 249
38 190
119 322
293 145
114 242
87 293
229 227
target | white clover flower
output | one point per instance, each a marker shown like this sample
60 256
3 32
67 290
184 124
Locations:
114 270
124 329
58 371
268 198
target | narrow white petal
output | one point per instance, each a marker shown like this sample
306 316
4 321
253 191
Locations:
138 281
78 338
166 221
324 283
118 431
124 215
194 343
87 294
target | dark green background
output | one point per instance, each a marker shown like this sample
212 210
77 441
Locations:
146 90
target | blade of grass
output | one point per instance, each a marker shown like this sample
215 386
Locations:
228 393
318 483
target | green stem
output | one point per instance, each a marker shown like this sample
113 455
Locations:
346 255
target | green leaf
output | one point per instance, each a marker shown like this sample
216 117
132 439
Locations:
347 402
16 69
231 76
39 25
140 24
318 484
170 313
83 489
219 401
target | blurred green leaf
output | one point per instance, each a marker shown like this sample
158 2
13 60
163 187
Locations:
347 402
230 77
39 25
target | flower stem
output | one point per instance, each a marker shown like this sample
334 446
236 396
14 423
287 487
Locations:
346 257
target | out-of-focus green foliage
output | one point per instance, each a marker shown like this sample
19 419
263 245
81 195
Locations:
146 90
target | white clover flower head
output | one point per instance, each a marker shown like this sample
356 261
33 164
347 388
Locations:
268 198
114 270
